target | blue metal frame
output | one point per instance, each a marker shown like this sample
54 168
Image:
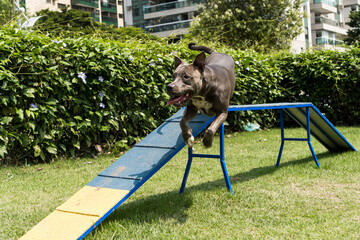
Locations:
307 139
191 155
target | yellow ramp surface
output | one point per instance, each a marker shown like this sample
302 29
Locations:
71 219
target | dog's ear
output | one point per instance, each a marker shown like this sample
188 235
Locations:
178 62
199 62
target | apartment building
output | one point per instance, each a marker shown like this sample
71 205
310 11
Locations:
328 22
161 17
323 27
104 11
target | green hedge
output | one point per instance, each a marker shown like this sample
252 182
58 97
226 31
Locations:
49 108
328 79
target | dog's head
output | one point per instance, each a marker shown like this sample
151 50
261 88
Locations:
187 80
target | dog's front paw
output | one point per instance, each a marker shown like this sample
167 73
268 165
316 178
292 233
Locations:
188 138
190 141
208 139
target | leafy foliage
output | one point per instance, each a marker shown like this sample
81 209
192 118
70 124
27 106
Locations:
354 31
328 79
64 96
262 25
60 96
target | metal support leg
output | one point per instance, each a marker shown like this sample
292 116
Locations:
222 159
309 137
282 137
187 170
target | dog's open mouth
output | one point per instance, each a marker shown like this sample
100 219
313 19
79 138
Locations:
178 101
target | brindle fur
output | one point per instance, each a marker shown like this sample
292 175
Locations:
211 82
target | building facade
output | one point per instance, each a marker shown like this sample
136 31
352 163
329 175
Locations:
104 11
161 17
323 27
326 24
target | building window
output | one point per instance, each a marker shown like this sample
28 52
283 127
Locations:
48 1
120 2
136 12
121 15
60 5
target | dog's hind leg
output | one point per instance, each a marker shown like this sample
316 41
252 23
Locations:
189 114
210 132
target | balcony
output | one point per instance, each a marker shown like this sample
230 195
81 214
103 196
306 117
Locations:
168 26
86 3
351 2
327 21
330 25
171 5
328 41
328 2
110 21
171 8
323 6
108 8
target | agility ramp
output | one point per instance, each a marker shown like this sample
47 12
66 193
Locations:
87 208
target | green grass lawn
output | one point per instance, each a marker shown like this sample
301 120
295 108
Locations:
294 201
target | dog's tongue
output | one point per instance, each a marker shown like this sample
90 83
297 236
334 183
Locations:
178 101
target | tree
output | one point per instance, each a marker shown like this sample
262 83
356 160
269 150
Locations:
71 23
65 21
354 31
260 24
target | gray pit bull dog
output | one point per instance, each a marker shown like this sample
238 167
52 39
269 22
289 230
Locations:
206 85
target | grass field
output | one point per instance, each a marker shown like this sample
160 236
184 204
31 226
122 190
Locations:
294 201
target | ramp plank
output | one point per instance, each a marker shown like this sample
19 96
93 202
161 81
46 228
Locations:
113 182
137 162
60 226
321 129
94 201
168 135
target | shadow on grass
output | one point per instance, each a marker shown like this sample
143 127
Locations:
172 205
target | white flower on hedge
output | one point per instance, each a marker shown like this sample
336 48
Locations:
82 75
101 94
160 60
101 79
237 63
34 105
57 42
131 58
260 62
247 68
152 64
102 105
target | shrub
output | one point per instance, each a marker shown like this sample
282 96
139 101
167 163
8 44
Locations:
328 79
60 96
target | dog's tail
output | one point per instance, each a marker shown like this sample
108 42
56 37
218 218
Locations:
200 48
